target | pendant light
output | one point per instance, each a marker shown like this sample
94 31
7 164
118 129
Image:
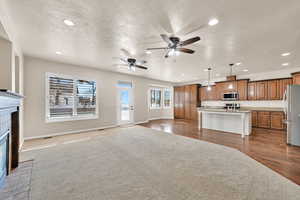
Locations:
230 87
208 80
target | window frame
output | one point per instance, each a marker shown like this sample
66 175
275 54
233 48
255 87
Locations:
170 105
74 117
161 98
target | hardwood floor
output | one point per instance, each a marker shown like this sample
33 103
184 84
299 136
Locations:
266 146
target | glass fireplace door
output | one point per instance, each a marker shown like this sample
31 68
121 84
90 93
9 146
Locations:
3 158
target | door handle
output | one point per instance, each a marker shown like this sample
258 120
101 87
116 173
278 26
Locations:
131 108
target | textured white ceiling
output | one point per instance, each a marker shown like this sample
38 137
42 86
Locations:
254 32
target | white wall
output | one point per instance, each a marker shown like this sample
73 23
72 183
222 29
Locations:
6 53
34 81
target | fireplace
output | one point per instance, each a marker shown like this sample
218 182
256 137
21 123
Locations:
3 157
9 133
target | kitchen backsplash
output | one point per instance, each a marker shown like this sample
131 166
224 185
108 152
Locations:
271 104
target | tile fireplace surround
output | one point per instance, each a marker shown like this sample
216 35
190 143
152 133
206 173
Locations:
9 133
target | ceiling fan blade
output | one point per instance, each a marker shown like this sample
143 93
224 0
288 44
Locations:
120 65
126 53
142 62
182 32
167 54
166 38
184 50
124 60
141 67
159 48
190 41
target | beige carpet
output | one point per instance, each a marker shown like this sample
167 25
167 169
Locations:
138 163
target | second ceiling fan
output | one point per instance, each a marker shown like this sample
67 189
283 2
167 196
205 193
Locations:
175 45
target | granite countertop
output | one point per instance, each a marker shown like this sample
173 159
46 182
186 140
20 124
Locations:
223 110
242 109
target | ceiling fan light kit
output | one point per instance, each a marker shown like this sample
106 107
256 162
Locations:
175 45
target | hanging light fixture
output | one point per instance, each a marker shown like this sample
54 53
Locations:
208 80
231 69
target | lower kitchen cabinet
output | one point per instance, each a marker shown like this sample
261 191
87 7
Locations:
254 118
268 119
277 120
263 119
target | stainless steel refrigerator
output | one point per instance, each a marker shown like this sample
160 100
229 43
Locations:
292 112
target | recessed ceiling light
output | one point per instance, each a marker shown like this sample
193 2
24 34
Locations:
69 22
239 63
213 22
148 52
182 74
58 52
286 54
285 64
206 70
245 70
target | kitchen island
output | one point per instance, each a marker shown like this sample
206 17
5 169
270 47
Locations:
233 121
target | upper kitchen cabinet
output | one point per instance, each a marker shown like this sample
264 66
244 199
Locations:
209 95
242 89
296 78
283 86
273 90
261 90
252 91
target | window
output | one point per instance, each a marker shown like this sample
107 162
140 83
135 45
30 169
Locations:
167 98
155 98
70 98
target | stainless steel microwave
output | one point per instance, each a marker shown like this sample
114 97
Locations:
231 96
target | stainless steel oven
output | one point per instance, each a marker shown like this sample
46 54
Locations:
230 96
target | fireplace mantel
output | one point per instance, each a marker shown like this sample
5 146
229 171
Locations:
9 99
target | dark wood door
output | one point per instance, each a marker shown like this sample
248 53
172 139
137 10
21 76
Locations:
252 91
277 119
242 89
176 102
182 103
261 90
263 119
273 90
187 102
254 118
194 102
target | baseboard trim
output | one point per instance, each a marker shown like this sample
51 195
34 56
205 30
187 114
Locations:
69 132
157 118
141 122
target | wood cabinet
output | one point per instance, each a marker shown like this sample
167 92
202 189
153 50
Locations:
254 118
242 89
296 78
209 95
179 98
186 102
277 120
263 119
252 91
283 86
268 119
273 90
261 90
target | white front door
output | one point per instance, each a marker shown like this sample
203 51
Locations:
125 105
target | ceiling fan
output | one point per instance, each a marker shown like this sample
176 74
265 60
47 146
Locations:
130 62
175 45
